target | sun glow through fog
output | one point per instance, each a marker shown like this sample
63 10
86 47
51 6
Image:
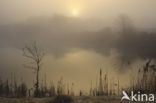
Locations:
75 12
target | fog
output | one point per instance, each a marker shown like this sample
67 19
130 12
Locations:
142 11
117 36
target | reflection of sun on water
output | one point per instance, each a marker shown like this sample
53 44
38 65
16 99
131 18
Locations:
75 12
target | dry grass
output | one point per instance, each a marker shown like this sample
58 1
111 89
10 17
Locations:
83 99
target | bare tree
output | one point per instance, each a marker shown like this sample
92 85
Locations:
125 24
35 55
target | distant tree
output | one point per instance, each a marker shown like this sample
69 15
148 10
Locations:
125 24
60 87
23 90
6 88
35 55
52 91
15 87
1 87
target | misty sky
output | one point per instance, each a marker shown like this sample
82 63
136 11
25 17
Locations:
142 11
77 46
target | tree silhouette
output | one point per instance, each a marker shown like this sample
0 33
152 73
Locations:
35 55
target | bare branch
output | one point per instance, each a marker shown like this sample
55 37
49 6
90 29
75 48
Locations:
29 67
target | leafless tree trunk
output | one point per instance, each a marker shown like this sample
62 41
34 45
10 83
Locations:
35 55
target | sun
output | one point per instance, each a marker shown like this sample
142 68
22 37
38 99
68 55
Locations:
75 12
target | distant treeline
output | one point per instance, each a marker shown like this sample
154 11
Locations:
12 90
21 90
